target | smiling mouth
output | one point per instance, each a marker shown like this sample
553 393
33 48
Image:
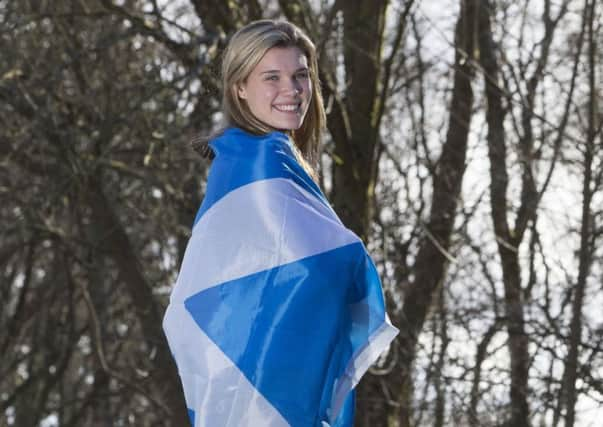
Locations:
288 108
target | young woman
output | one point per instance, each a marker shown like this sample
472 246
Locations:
278 310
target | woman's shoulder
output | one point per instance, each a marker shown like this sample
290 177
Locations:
235 132
227 138
235 140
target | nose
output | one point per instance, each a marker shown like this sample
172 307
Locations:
292 86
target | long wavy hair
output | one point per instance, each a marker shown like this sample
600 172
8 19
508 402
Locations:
244 51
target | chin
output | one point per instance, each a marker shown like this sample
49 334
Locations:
293 127
290 125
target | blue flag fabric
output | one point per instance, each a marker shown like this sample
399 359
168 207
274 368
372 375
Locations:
277 311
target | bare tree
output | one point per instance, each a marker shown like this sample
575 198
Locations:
429 269
588 236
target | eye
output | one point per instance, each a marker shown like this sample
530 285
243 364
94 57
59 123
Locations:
272 77
303 75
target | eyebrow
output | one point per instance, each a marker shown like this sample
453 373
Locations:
278 71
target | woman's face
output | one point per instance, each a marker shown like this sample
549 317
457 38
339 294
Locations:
278 90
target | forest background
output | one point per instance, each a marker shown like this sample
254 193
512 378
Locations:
464 145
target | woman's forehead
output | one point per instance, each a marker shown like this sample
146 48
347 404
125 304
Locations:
282 58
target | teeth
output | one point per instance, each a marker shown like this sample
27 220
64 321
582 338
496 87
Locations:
292 107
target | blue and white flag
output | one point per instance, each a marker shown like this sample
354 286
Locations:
278 309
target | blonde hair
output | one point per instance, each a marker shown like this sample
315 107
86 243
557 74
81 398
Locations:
244 51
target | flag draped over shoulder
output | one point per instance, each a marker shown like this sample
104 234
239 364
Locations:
278 310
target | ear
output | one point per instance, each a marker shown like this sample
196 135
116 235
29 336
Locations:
241 91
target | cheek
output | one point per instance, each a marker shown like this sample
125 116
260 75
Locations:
262 97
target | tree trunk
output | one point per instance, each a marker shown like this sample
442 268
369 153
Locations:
432 258
355 175
480 356
439 384
117 244
586 232
507 240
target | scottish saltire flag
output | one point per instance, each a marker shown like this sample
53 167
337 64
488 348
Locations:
278 309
